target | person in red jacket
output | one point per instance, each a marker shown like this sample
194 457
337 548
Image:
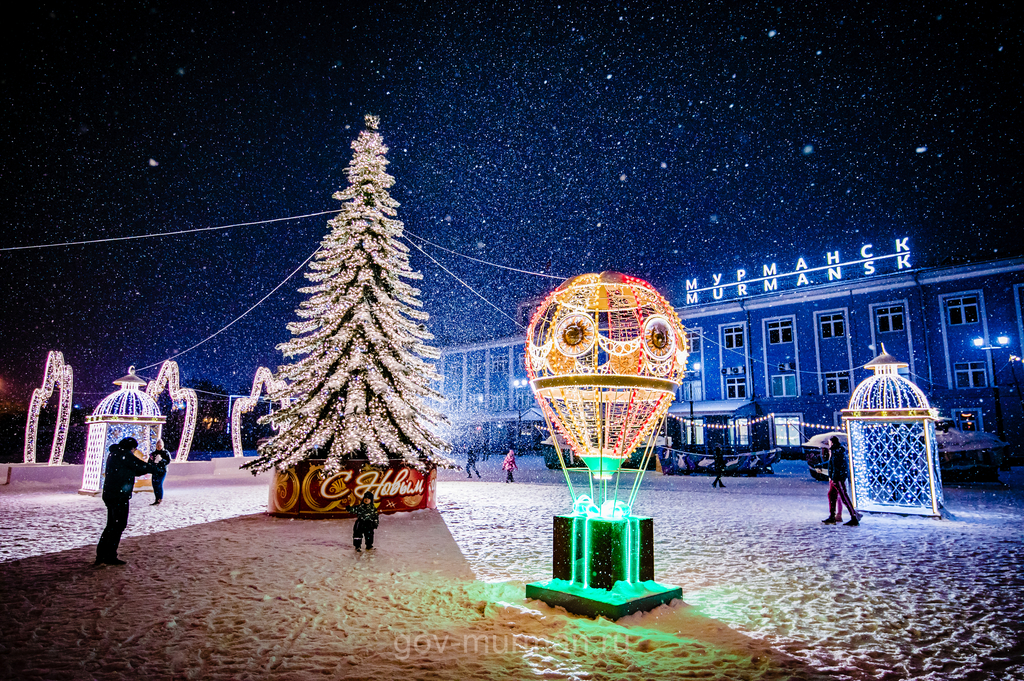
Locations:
509 465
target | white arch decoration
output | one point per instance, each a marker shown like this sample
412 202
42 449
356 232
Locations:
263 378
60 374
169 377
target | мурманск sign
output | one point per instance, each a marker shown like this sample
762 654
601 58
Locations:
802 274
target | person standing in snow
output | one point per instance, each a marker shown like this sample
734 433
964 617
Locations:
719 466
838 472
509 465
367 519
160 458
123 464
471 463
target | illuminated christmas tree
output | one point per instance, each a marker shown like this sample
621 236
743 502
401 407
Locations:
361 385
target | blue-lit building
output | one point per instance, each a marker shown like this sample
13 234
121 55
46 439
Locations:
773 352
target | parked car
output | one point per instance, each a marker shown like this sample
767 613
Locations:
964 456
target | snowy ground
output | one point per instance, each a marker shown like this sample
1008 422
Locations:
769 591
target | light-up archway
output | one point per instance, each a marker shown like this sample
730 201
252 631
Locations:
170 378
59 374
264 378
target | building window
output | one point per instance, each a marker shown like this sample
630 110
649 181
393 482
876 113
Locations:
498 401
475 366
693 338
780 331
889 319
736 387
963 310
499 365
692 431
832 325
787 431
732 336
966 420
784 385
520 361
739 431
691 391
524 398
837 382
971 375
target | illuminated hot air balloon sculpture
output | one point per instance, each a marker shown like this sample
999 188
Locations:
604 353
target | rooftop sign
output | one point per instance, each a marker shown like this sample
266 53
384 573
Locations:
802 274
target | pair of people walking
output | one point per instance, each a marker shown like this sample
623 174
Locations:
838 473
124 463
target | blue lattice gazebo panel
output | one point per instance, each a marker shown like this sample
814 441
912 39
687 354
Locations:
890 466
894 458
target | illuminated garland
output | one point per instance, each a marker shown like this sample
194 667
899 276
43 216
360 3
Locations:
169 377
60 374
759 419
245 404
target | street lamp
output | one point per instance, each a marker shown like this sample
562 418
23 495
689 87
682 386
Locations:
520 410
692 371
1002 343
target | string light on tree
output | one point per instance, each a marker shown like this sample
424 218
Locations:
361 382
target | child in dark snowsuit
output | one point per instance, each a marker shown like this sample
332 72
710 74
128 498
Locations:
367 519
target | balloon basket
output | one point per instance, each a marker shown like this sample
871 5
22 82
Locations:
603 567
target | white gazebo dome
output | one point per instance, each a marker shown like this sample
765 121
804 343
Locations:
129 401
887 390
129 412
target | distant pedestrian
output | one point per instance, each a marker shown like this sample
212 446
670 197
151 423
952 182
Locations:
719 466
509 465
367 519
160 457
838 472
122 466
471 464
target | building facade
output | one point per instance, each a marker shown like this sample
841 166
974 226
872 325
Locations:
763 366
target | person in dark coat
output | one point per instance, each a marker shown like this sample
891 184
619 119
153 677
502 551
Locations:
122 467
719 467
367 519
471 463
160 457
838 473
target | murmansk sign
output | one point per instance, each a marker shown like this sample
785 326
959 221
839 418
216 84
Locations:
745 283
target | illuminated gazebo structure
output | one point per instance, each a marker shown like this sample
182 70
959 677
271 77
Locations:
128 412
604 353
894 458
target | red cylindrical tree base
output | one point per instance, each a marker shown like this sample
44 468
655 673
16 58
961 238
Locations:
304 492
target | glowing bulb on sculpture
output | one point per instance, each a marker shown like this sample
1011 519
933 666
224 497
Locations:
604 354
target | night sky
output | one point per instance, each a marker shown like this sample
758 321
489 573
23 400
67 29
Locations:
657 141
